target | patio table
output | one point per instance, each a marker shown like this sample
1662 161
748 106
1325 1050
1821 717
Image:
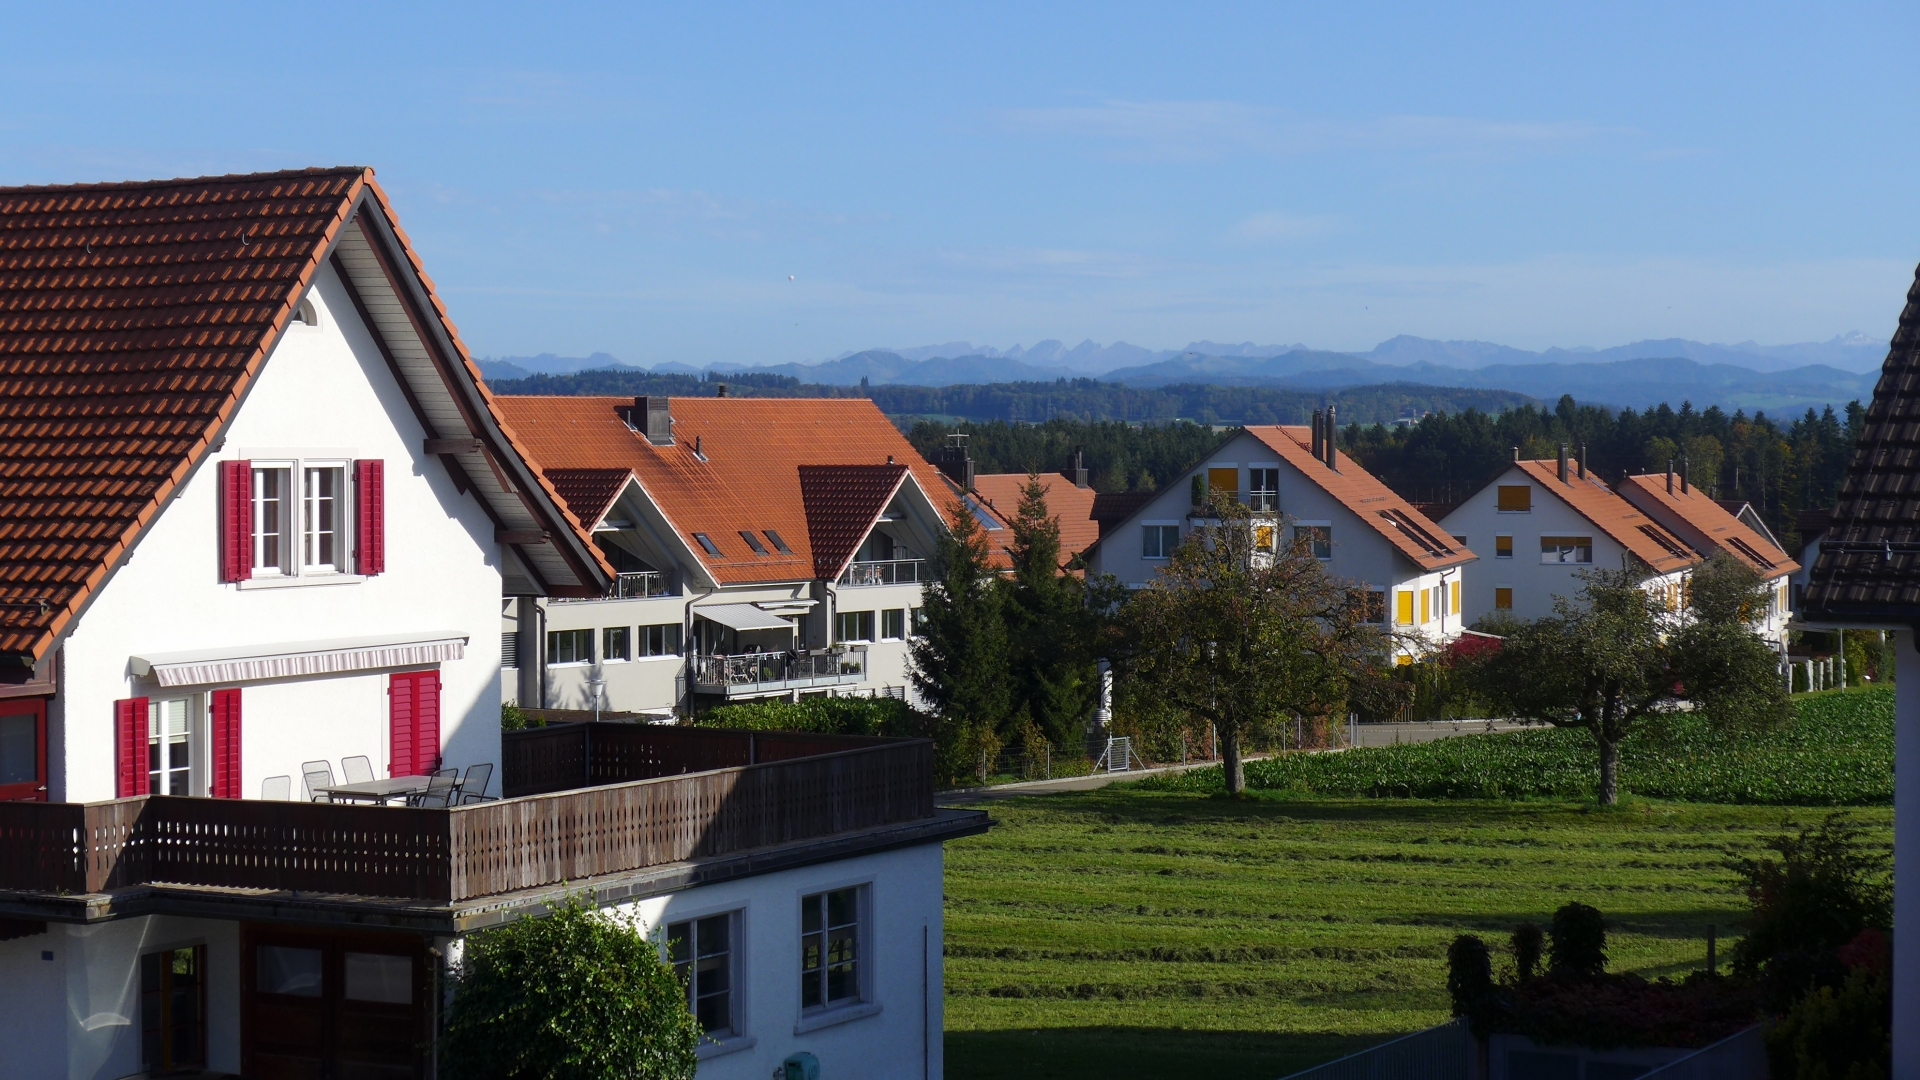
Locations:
376 791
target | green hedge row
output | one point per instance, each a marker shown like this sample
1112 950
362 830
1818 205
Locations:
827 716
1837 751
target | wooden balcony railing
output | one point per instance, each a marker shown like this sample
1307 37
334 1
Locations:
800 790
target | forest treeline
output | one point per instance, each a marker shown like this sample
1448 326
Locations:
1087 400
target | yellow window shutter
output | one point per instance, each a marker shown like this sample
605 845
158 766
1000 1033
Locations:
1403 605
1456 597
1424 615
1227 480
1515 498
1503 599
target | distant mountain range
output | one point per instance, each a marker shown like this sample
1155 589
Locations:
1774 378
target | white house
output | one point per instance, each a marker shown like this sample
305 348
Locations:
257 517
764 547
1312 493
1547 521
1708 527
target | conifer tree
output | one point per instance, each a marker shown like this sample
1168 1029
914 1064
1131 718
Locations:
959 658
1051 633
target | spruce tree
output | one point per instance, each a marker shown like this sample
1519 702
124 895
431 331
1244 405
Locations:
959 659
1050 631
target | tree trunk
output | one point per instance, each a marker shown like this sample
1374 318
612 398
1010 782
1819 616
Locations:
1230 760
1609 768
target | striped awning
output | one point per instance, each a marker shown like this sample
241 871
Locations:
291 659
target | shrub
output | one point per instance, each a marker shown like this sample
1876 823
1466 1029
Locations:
1578 941
1527 945
1827 886
515 718
825 716
578 994
1843 1032
1469 974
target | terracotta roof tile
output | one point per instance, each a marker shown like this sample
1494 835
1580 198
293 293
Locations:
1422 541
750 479
843 502
1706 524
588 492
1071 506
1626 524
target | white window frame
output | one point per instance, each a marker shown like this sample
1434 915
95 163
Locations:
1263 466
293 569
198 743
342 512
881 628
813 1018
737 980
1508 537
640 655
1574 548
606 654
1162 525
873 634
592 645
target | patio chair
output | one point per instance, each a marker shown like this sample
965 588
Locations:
357 770
441 787
318 774
473 787
277 788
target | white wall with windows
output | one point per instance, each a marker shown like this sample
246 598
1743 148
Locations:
324 399
841 960
883 618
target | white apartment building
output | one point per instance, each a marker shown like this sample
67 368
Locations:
1706 526
764 548
1545 522
1312 493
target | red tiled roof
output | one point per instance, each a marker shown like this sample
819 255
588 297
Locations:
588 492
750 478
843 502
132 318
1649 542
1709 522
1417 537
1071 506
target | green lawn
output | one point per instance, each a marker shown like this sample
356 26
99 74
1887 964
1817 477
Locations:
1131 932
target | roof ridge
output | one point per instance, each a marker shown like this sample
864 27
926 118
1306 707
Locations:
186 181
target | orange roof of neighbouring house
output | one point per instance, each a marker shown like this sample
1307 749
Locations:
1071 506
1647 539
1714 525
133 318
756 450
1422 541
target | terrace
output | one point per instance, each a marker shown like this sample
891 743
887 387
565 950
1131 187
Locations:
627 810
885 572
770 672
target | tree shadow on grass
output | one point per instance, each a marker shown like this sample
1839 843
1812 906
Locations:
1100 1053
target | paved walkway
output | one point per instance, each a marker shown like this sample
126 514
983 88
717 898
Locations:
1368 735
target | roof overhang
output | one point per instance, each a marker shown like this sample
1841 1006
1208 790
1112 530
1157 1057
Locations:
742 617
291 659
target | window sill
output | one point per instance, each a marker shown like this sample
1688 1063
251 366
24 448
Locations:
713 1048
829 1017
298 582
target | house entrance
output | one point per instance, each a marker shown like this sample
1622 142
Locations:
23 749
319 1005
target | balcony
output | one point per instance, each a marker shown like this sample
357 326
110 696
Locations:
635 586
764 673
594 805
885 572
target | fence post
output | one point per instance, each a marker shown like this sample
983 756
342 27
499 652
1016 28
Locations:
1712 959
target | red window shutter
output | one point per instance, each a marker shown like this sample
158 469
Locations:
226 743
370 514
130 742
413 713
236 520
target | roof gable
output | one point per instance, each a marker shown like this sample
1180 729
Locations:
1705 523
843 503
1411 533
1641 535
133 319
589 493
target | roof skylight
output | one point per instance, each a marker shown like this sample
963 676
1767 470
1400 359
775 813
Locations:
753 542
779 545
707 543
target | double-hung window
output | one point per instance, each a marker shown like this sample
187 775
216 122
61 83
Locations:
701 952
830 961
1159 541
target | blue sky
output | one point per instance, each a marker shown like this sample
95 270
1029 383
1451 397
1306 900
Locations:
643 180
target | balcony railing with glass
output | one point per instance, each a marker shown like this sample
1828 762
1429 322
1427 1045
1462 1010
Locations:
885 572
634 586
759 673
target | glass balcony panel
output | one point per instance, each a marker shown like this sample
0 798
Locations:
885 572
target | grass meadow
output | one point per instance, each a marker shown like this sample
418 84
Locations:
1134 931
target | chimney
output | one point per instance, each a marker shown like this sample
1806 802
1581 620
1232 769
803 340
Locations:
1079 468
1319 448
1563 463
1516 455
1332 439
1669 476
1583 461
956 462
653 418
723 390
696 449
1683 474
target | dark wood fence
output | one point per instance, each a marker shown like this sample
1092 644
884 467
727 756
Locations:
478 850
563 756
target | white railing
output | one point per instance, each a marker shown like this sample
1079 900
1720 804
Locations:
885 572
749 672
633 586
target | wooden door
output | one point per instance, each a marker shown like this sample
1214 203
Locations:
325 1005
23 750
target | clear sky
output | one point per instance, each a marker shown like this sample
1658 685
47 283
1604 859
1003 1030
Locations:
643 180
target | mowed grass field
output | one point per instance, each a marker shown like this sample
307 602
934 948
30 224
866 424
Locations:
1130 932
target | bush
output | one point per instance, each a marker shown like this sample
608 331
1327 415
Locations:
578 994
1828 885
1843 1032
1578 939
824 715
1527 944
1469 974
1836 751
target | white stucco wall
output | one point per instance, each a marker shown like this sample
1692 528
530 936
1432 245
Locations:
76 1016
901 1038
325 390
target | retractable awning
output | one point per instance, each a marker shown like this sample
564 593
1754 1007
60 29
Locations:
280 660
742 617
